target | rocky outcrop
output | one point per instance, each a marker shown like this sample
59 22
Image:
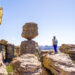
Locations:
30 30
3 70
59 64
68 49
27 64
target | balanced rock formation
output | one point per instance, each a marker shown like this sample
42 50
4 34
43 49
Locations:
68 49
59 64
30 30
27 64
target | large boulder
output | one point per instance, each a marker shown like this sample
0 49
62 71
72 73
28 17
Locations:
59 64
29 47
27 64
30 30
68 49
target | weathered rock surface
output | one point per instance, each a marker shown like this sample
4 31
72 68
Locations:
9 51
3 70
59 64
27 64
30 30
29 47
17 50
68 49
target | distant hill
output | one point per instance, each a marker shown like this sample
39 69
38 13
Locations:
47 47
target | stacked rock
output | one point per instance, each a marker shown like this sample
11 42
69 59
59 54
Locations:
30 31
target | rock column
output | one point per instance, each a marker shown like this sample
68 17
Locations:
30 31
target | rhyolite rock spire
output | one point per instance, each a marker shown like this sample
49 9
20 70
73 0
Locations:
30 31
27 63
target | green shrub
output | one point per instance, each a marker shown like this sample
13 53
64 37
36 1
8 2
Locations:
9 68
73 62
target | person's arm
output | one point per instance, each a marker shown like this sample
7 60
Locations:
52 42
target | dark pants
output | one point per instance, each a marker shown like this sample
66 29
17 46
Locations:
55 48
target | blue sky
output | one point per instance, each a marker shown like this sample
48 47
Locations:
54 17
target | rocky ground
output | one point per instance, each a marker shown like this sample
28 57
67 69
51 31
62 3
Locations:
59 64
53 64
27 64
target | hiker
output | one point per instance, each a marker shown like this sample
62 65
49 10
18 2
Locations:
55 42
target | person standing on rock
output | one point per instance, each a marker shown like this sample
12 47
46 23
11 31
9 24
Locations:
55 42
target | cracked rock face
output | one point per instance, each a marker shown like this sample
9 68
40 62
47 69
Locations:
27 64
59 64
30 30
